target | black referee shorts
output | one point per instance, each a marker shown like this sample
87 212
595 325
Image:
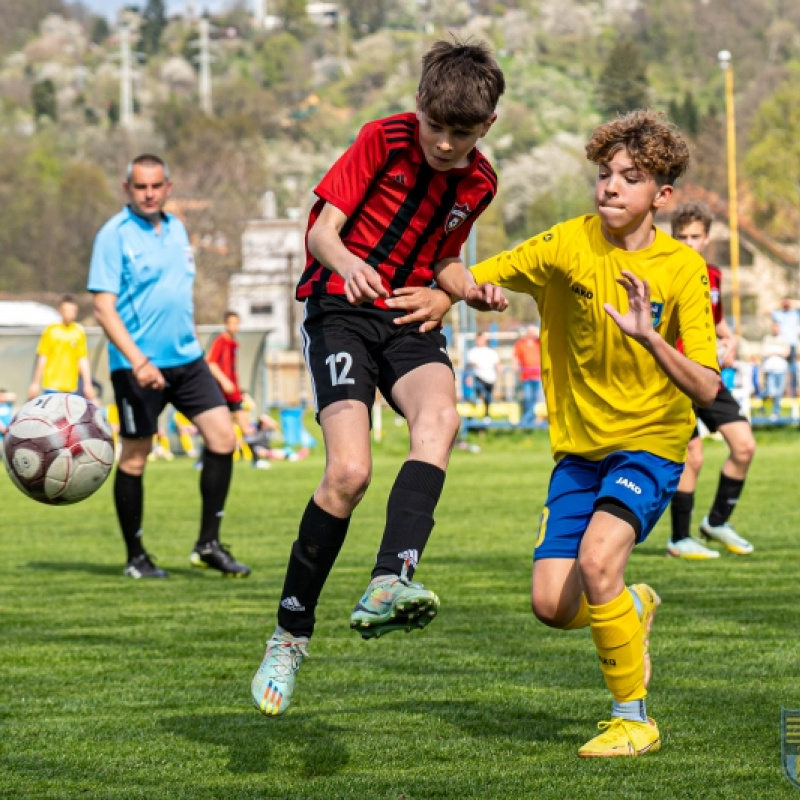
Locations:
723 410
191 388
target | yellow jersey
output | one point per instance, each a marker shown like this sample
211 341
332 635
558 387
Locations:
604 391
63 346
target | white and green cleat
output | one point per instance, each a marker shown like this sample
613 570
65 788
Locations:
393 603
273 684
726 535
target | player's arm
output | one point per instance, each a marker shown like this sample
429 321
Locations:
147 374
36 380
85 371
698 382
727 338
225 383
362 282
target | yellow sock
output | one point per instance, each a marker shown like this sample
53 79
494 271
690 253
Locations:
581 619
617 636
186 443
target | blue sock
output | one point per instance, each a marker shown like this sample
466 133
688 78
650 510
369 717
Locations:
633 710
636 602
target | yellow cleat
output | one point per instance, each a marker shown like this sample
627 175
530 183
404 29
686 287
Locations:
623 737
650 603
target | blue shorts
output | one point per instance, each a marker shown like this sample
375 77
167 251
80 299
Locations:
636 485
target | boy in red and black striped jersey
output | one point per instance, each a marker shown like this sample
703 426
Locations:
691 224
396 207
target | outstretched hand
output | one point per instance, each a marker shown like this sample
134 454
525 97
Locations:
486 297
424 305
638 321
362 284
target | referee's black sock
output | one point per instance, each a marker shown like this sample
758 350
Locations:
681 511
728 492
215 479
409 517
129 502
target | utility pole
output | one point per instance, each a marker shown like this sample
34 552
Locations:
204 59
126 89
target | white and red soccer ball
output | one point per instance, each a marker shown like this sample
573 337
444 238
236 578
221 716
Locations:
58 449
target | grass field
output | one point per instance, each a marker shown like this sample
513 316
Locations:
113 688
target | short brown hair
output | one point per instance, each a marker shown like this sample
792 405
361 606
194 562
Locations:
149 160
460 84
654 144
229 314
687 213
68 298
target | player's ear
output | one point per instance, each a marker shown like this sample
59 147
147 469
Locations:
487 125
663 195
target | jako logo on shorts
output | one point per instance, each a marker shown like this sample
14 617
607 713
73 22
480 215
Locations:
629 485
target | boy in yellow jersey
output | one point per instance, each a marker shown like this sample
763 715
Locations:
63 357
614 294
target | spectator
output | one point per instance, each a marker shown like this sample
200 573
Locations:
788 318
483 361
63 357
775 353
528 358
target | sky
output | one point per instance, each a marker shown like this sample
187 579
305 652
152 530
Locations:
109 8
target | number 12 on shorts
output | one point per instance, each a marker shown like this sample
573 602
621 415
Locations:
340 378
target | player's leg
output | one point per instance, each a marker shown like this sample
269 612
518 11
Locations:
138 411
681 543
426 397
343 377
738 435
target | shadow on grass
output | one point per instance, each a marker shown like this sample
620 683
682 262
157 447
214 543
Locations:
259 745
75 566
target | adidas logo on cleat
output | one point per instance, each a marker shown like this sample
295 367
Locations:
292 604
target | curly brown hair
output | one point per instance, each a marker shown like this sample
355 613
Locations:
654 144
460 84
687 213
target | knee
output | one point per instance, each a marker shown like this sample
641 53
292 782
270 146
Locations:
549 610
742 451
441 422
349 480
694 459
595 574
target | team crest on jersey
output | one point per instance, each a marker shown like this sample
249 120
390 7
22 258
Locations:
790 745
457 215
657 312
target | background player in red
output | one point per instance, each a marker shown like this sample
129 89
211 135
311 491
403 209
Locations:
691 224
221 360
395 207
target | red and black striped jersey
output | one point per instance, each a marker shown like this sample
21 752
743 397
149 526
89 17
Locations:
715 289
402 215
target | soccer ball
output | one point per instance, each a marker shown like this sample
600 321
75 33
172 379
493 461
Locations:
58 449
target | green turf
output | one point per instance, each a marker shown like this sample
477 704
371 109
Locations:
113 688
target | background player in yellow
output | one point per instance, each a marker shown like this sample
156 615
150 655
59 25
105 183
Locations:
62 356
613 293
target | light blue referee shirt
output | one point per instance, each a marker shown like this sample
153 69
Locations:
152 275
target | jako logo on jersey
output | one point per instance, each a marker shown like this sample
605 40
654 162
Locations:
581 292
629 485
411 556
656 311
456 216
292 604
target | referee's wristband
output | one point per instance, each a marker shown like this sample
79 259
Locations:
138 369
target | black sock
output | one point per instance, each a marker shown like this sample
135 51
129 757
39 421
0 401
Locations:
728 493
313 554
129 502
215 479
681 511
409 517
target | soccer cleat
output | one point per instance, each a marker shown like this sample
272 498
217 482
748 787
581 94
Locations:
623 737
393 603
690 548
216 556
273 684
650 603
143 567
725 534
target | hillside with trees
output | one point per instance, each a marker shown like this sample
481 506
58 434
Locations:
287 99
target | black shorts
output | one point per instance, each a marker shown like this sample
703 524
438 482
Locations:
234 405
723 410
191 388
351 351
